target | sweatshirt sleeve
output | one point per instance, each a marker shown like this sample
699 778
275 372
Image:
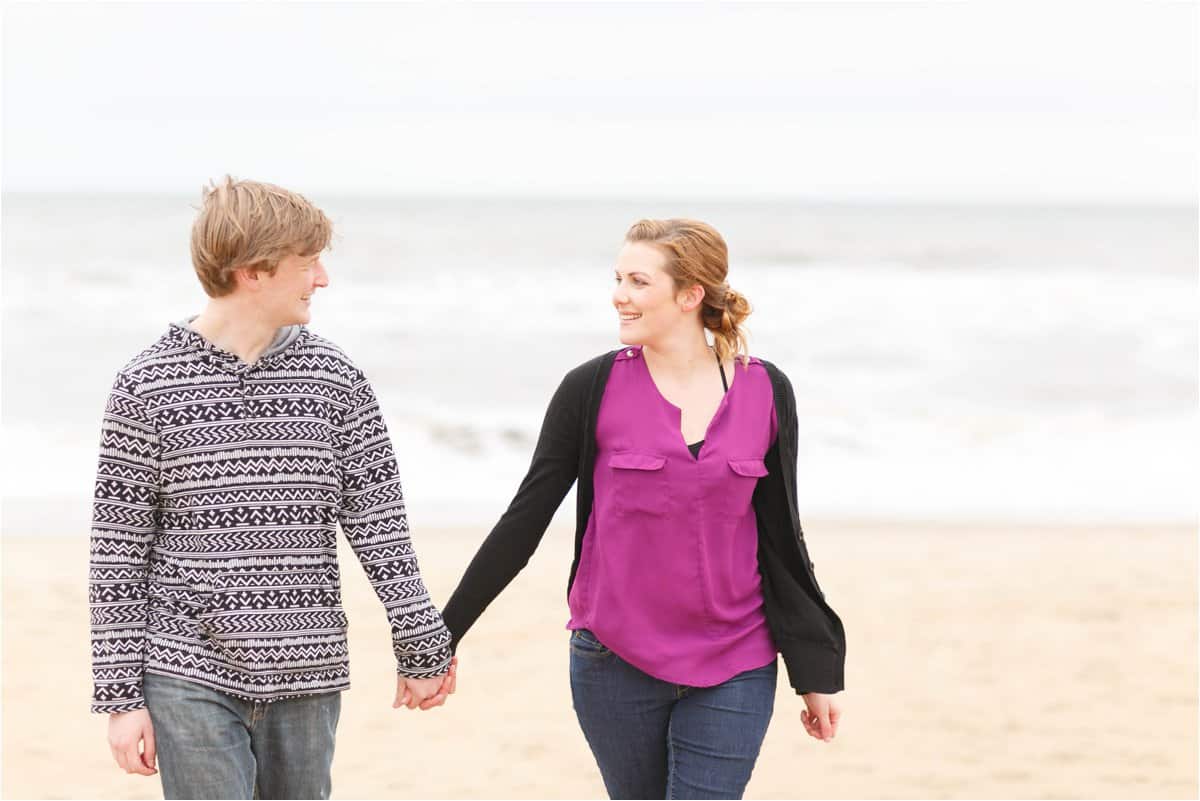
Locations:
511 543
124 519
376 525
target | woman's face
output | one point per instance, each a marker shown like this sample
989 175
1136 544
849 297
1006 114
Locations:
645 297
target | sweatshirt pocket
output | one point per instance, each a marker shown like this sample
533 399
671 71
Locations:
248 606
639 483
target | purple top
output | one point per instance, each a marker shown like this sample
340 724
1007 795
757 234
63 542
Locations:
668 577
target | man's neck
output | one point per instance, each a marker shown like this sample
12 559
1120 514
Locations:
236 329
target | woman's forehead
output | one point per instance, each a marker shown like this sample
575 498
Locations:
641 257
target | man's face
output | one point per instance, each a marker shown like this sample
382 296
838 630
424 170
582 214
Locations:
285 297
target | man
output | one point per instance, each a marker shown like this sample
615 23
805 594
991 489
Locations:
230 449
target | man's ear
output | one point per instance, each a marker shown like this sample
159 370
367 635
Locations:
691 297
248 278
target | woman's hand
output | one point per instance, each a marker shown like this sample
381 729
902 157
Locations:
411 692
425 693
449 682
821 718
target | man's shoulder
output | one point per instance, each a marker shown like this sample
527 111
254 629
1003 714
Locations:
323 356
152 359
313 344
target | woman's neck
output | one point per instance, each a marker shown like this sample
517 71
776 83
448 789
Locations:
679 357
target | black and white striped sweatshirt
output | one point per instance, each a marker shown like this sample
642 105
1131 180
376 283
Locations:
214 546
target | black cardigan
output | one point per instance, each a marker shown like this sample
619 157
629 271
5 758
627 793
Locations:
806 630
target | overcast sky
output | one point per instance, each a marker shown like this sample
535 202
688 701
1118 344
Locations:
1089 102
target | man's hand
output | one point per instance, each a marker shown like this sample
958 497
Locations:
821 718
425 693
126 731
449 681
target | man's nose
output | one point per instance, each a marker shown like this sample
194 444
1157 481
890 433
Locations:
322 277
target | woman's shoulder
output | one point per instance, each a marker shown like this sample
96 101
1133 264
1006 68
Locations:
579 379
595 364
759 363
778 378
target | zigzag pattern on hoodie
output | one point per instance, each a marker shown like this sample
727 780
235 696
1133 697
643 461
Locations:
214 545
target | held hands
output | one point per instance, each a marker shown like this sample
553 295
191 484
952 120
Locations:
126 731
821 718
426 693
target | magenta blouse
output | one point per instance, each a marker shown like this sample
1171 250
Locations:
668 577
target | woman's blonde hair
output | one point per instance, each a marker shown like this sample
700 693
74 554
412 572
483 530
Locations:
696 254
252 225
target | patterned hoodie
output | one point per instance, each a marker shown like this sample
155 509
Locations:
214 549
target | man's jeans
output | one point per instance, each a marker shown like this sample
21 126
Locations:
654 739
212 745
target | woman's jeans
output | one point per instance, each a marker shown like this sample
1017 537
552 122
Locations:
212 745
654 739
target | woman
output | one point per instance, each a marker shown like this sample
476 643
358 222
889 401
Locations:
690 569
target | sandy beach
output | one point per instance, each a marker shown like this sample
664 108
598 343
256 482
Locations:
984 662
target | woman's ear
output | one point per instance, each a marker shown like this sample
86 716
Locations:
691 297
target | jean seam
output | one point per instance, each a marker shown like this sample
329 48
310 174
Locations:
670 757
588 650
258 713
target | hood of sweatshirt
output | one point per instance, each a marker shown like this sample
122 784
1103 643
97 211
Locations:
286 339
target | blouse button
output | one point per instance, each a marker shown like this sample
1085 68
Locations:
629 352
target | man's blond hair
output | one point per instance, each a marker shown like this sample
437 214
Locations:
252 225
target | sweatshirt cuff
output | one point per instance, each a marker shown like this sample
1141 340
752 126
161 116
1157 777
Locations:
425 666
109 698
423 657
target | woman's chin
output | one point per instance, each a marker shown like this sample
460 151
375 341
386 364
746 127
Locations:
631 333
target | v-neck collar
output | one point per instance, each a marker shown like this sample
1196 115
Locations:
649 378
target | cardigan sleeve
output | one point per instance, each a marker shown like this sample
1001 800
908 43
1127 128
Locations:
808 633
507 549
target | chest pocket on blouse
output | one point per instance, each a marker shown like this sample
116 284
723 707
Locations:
742 480
639 483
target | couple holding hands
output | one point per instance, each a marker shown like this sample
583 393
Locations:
233 447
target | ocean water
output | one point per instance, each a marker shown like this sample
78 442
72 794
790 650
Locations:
950 363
